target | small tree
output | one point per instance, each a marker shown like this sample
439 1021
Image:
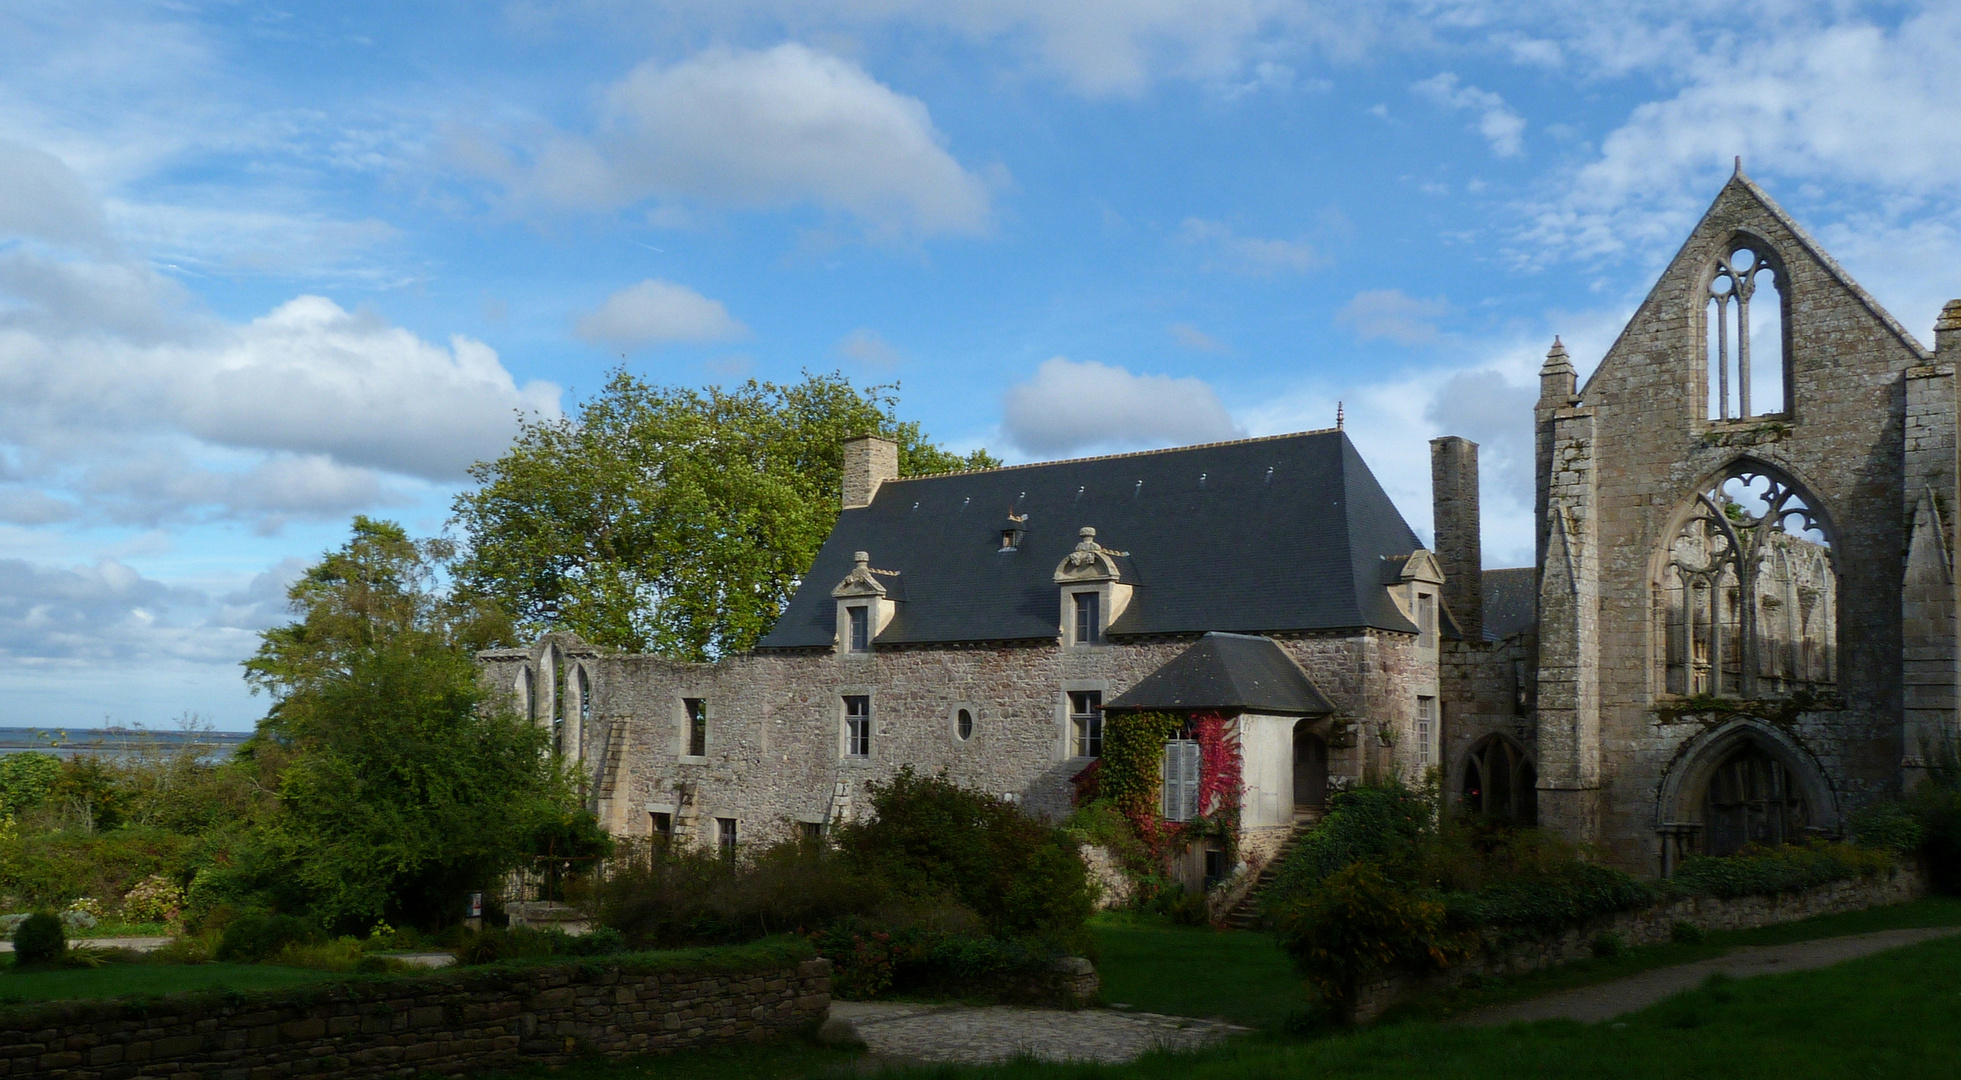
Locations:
39 939
405 785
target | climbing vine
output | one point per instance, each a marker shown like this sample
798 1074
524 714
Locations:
1220 782
1129 775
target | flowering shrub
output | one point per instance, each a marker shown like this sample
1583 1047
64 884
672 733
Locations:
154 899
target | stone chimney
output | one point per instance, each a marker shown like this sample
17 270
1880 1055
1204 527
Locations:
1459 548
1947 331
868 462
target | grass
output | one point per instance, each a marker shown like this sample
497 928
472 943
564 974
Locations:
121 929
1932 911
1150 964
1895 1015
147 980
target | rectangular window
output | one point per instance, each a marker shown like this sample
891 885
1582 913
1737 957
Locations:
697 711
1086 722
861 628
813 831
857 726
725 836
1182 761
1426 620
1426 731
1089 618
663 831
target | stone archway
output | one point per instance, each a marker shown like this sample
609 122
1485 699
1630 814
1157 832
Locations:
1744 782
1500 783
1310 767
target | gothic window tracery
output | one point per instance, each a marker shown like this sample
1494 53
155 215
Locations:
1748 593
1745 327
1500 783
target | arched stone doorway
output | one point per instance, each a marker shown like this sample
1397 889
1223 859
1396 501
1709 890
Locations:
1310 768
1745 782
1500 783
1751 799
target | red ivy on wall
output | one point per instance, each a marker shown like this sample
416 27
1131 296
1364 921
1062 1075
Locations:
1221 777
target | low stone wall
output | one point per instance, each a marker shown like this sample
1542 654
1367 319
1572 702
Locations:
1648 926
469 1020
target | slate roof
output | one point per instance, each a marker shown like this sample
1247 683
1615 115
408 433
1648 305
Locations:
1231 673
1254 536
1511 602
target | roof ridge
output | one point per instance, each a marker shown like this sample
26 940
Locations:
1113 457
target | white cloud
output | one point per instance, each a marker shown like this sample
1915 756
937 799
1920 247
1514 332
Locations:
104 611
1849 102
1247 254
41 198
867 347
1395 315
656 312
776 128
1191 337
1075 405
1503 128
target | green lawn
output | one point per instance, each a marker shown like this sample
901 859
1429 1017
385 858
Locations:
1932 911
1896 1015
1153 966
125 980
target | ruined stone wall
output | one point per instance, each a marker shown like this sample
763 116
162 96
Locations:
775 752
1652 447
449 1023
1486 690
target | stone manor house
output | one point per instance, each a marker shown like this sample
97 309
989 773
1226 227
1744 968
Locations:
1740 625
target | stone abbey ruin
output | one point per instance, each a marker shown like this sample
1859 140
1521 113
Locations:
1740 625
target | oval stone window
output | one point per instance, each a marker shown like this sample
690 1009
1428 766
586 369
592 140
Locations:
963 722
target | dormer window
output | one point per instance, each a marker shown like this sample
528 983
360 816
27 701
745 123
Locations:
1089 618
1009 538
861 627
1013 530
1426 620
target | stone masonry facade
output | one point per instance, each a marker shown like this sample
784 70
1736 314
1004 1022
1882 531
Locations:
1661 713
1740 626
448 1023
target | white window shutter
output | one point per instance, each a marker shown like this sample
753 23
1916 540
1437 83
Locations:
1182 760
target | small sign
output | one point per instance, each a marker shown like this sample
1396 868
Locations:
476 905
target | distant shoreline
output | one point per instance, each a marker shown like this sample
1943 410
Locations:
69 742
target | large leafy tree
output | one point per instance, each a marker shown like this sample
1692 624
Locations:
402 784
674 520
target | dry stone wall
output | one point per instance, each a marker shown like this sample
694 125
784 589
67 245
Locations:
449 1023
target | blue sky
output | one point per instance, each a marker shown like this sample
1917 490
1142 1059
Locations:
264 267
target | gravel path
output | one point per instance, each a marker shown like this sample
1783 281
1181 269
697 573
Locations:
1604 1001
139 944
971 1035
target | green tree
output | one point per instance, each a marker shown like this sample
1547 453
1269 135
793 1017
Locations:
405 784
674 520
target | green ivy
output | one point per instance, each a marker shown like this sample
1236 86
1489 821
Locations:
1787 868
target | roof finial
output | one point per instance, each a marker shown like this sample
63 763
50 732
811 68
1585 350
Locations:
1338 416
1739 165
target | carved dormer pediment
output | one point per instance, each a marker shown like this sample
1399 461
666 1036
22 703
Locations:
862 580
1090 561
1422 566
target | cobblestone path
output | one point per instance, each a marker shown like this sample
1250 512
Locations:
1604 1001
966 1034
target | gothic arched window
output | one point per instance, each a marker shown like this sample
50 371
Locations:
1745 330
1748 597
1500 783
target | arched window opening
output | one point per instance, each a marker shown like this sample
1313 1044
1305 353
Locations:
1745 330
1748 595
1500 783
585 698
527 695
1752 799
558 701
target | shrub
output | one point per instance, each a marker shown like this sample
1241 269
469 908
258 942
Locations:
1786 868
1686 933
252 938
1384 821
154 899
1607 945
698 898
39 940
930 838
1887 826
1547 899
1358 920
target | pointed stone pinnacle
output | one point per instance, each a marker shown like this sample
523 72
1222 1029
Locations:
1557 362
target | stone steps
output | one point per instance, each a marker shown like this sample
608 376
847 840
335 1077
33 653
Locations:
1245 915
